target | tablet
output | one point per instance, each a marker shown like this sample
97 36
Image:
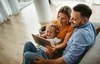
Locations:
41 41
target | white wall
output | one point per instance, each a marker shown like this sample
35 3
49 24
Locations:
70 0
43 10
97 1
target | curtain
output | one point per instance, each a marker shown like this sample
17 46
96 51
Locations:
15 6
8 8
5 11
1 18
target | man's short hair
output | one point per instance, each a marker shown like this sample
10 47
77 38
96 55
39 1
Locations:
83 9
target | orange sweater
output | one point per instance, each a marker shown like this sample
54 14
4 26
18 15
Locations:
63 29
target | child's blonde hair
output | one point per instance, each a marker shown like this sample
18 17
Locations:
55 26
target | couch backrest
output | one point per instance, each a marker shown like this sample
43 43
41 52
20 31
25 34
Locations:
93 54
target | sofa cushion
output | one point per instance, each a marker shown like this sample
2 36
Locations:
93 54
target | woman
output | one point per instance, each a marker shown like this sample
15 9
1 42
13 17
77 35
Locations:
63 17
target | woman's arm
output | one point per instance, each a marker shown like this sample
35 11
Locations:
64 43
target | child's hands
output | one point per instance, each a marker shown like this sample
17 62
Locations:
50 50
37 34
43 35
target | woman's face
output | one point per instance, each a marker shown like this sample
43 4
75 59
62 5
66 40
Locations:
62 18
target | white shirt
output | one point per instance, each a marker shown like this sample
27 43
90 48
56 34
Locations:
53 41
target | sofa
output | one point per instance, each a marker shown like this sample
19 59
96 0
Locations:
93 54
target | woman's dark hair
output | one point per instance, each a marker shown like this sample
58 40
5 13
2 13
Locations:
66 10
83 9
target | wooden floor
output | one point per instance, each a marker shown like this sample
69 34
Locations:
14 34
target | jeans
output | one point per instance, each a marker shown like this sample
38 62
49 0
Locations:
30 52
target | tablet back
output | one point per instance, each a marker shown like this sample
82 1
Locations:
41 41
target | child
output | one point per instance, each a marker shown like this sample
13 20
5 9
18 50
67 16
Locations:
50 34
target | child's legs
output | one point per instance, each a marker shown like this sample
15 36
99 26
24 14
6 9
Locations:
29 46
30 56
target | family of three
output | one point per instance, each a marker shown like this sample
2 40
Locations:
77 35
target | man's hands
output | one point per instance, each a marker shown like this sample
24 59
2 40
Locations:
39 61
54 61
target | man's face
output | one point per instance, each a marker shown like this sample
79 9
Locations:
76 19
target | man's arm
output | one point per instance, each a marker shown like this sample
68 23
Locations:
77 46
50 61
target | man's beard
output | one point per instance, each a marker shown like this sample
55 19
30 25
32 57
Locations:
75 26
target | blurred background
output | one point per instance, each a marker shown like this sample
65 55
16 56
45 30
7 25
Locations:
21 18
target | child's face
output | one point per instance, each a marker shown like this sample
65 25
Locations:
50 32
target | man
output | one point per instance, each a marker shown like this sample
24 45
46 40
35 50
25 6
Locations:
82 38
